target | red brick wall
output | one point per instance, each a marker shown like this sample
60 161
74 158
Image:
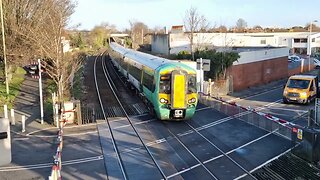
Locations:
256 73
299 70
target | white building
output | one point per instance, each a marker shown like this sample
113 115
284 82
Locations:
297 42
65 45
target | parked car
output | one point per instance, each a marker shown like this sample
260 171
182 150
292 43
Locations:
295 58
316 62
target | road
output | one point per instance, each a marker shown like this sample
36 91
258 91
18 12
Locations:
296 113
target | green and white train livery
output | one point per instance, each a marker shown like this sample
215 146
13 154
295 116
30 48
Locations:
168 88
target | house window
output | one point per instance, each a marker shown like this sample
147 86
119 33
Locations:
263 41
304 40
313 40
296 40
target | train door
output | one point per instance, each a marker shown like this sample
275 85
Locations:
178 93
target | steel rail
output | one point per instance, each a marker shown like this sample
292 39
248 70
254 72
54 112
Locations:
225 154
108 78
120 162
191 153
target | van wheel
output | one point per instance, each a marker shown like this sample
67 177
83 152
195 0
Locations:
308 101
285 101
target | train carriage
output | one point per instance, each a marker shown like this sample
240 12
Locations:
168 88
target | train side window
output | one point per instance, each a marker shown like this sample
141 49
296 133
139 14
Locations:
148 81
135 72
192 84
165 84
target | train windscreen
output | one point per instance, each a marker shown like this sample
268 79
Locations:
165 84
192 84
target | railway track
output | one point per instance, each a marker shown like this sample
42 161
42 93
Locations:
208 173
123 164
182 150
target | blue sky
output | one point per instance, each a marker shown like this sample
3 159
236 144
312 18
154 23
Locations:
267 13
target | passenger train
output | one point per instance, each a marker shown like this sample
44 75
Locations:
167 87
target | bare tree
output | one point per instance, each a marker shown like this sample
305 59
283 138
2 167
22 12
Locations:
35 29
194 22
314 27
138 30
298 29
158 30
223 29
99 35
241 25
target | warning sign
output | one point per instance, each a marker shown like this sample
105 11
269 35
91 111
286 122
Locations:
299 134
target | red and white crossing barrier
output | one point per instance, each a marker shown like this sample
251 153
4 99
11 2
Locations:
56 168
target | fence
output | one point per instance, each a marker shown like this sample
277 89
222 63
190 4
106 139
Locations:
252 116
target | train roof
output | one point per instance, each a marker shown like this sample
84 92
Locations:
149 60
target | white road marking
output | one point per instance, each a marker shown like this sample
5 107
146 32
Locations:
287 109
200 109
216 157
20 139
265 92
263 164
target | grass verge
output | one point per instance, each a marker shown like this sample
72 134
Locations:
14 88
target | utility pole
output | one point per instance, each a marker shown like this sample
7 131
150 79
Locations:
309 51
4 48
40 91
201 75
142 36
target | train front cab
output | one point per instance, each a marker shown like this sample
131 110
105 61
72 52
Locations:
177 95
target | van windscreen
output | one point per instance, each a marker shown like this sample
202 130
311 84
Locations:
298 83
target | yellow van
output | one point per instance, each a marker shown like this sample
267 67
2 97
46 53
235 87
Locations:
301 89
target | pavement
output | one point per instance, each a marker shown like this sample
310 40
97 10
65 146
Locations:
27 103
33 150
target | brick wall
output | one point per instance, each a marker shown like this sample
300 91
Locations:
299 70
257 73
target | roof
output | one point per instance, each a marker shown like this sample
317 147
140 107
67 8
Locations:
148 60
303 77
177 27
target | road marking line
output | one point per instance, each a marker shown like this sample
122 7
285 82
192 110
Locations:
205 108
20 139
286 109
239 99
159 141
263 164
217 157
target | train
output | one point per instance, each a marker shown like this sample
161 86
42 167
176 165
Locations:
168 88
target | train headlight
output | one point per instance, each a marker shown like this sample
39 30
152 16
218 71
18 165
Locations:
163 101
192 100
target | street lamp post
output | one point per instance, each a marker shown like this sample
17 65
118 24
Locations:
310 41
40 91
4 49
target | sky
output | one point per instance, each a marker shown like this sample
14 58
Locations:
161 13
